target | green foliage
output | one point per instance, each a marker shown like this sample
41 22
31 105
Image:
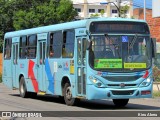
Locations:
156 74
94 15
132 17
50 12
102 12
124 10
156 94
65 11
98 15
23 14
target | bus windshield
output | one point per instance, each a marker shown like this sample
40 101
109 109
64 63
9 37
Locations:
120 52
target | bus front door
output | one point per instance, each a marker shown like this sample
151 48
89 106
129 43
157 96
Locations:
15 64
41 65
81 66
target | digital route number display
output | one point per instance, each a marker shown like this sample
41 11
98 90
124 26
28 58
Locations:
118 27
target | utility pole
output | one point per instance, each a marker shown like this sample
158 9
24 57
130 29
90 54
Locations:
144 10
85 8
119 6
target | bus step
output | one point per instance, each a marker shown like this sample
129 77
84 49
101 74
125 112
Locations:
41 93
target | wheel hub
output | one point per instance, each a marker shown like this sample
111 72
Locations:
68 93
22 89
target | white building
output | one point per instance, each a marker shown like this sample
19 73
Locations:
87 7
155 8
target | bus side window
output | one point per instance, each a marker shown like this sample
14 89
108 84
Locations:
7 48
32 46
55 46
22 47
68 44
63 46
51 46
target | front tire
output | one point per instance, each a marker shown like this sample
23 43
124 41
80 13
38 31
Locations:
68 95
120 102
23 88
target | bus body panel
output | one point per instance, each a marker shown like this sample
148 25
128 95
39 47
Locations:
42 61
47 75
15 52
102 93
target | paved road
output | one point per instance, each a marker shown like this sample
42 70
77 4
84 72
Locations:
11 101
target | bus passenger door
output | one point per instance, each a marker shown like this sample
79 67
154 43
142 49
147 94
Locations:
81 66
15 64
41 65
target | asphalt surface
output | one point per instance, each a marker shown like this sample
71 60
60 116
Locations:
55 107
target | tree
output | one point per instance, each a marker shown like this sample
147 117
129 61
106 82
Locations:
98 15
50 12
94 15
124 10
66 11
102 12
23 14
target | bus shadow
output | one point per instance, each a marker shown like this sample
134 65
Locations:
93 104
108 105
46 98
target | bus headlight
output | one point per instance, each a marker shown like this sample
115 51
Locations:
146 82
96 82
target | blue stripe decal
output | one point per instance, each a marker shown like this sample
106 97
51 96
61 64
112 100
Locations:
49 76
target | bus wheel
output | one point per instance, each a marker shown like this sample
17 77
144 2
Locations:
120 102
68 95
23 88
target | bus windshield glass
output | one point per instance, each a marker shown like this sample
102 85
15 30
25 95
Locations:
120 52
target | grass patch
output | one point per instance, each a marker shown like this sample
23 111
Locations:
156 94
0 77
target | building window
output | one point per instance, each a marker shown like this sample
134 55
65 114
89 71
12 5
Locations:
114 11
68 44
91 10
55 48
23 47
7 48
78 9
100 10
32 46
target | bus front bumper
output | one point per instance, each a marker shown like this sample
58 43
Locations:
123 93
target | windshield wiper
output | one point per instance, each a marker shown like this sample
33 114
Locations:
133 41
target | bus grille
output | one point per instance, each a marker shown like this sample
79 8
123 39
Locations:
118 85
128 92
122 78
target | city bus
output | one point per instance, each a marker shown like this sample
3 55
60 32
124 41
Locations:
73 60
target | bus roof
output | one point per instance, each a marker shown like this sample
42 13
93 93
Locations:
64 26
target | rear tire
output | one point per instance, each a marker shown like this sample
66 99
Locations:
68 95
23 88
120 102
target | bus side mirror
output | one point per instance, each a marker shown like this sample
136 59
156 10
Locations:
153 43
